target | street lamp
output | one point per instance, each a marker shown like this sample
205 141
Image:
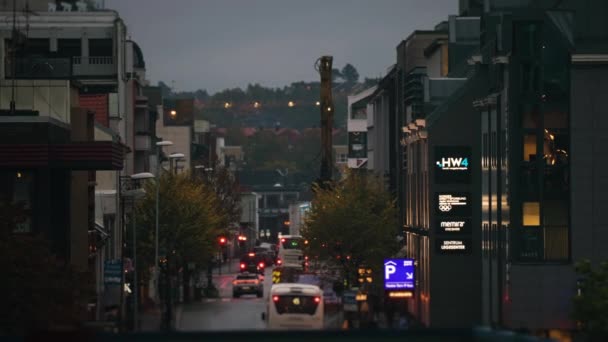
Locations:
136 192
159 146
176 157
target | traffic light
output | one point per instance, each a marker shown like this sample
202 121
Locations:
222 241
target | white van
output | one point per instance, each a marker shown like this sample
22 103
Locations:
294 306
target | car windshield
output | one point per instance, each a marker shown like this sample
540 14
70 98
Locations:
429 165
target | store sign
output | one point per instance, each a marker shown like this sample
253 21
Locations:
453 246
454 226
452 165
455 204
399 274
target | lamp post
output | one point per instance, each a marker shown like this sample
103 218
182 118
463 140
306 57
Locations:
159 146
136 178
176 157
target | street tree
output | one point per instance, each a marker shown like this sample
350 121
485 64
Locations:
189 220
591 302
352 223
221 181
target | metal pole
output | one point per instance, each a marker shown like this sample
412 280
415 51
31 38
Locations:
156 273
135 284
122 256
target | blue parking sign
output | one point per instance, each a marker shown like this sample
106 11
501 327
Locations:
399 274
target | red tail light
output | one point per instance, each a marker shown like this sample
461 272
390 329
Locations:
261 265
242 266
275 298
279 261
317 299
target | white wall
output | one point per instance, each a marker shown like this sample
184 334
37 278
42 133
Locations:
49 97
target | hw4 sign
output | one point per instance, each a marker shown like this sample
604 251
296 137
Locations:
453 165
399 274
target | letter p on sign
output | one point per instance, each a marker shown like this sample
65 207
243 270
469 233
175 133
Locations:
388 270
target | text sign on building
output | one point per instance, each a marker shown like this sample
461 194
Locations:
453 226
452 165
453 204
453 246
399 274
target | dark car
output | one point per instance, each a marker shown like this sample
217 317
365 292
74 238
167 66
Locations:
252 263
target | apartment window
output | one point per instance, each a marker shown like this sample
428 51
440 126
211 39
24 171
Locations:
530 116
529 145
341 158
531 213
69 47
101 47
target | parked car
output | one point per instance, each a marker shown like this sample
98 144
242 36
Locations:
247 283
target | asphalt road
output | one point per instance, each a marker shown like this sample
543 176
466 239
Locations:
227 313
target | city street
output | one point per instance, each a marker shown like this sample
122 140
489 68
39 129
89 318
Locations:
227 313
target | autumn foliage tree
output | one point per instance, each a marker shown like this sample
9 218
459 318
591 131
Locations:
189 220
352 224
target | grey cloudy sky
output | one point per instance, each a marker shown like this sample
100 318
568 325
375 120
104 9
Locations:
218 44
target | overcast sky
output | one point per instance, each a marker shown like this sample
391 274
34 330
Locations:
218 44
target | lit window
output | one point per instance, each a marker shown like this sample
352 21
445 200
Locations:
531 213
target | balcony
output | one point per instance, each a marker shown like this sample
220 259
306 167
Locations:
43 68
86 66
38 68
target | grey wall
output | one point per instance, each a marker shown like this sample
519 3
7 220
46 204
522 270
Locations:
589 162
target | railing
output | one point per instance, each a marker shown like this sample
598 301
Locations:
94 66
37 68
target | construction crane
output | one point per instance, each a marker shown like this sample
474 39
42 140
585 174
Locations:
324 67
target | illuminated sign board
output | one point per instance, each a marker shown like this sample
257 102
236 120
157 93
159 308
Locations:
452 165
455 204
453 246
454 226
399 274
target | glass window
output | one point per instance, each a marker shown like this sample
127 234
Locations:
298 304
69 47
272 201
529 147
100 47
531 214
530 116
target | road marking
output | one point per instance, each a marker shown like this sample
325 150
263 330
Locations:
226 299
210 300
